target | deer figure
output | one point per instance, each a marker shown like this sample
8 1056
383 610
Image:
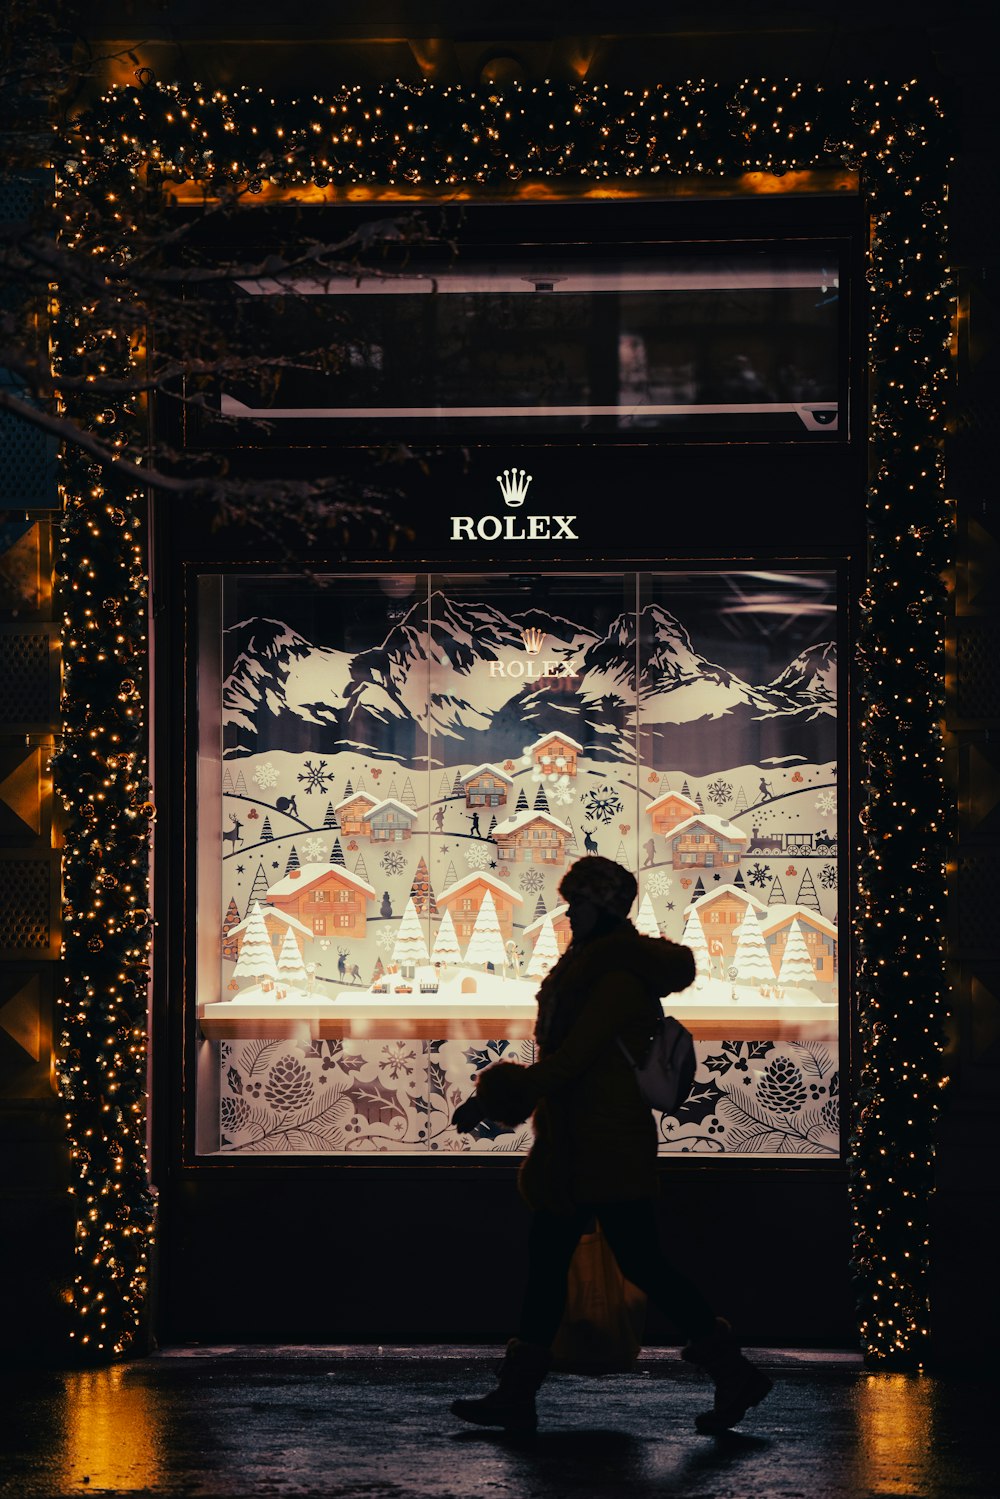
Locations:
354 973
233 836
589 842
341 962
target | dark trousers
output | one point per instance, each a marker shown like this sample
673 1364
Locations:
631 1231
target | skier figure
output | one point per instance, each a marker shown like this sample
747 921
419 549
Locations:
595 1149
649 849
765 789
474 828
439 819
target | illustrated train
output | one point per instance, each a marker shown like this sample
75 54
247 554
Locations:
792 843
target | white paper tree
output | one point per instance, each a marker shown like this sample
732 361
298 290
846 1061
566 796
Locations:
256 959
694 938
486 943
546 953
446 950
410 947
290 964
751 958
796 964
645 922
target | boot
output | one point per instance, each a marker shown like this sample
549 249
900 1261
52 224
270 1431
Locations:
738 1383
512 1404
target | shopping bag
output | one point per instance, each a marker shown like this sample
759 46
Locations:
602 1326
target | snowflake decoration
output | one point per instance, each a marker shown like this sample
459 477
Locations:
827 802
531 881
386 938
397 1060
720 792
828 876
392 862
559 794
314 850
603 804
658 883
759 875
316 777
266 775
478 855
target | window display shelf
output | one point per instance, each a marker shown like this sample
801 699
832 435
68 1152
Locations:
371 1017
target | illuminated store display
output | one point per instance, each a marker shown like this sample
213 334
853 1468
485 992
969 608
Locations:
399 768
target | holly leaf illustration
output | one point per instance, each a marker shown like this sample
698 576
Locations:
718 1063
375 1103
759 1048
438 1077
235 1081
701 1103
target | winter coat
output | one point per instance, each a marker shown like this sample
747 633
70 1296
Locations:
595 1138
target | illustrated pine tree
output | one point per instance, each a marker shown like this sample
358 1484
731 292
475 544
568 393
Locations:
348 790
256 959
698 891
444 790
694 938
290 964
360 868
546 951
230 948
739 881
241 785
622 857
450 875
337 853
796 964
258 890
776 896
393 791
266 834
493 823
421 892
456 788
330 817
541 802
645 922
751 958
686 791
539 907
293 860
227 783
807 893
446 950
377 971
572 846
521 805
362 783
410 947
698 801
740 804
407 796
486 943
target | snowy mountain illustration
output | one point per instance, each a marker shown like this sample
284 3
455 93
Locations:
457 687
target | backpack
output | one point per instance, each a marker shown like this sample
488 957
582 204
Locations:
666 1075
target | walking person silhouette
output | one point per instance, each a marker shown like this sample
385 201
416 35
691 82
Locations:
595 1147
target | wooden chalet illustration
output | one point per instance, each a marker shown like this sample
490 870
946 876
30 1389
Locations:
531 838
720 913
277 922
464 898
556 754
706 842
560 925
389 822
326 899
486 787
669 810
820 938
351 812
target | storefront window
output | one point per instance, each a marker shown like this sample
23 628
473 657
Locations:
402 767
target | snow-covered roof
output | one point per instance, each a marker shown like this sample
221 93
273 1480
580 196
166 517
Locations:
714 824
717 890
284 916
354 797
555 914
493 772
522 819
311 874
389 802
779 915
487 879
555 734
677 796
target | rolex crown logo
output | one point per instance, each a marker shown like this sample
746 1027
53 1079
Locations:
513 485
533 640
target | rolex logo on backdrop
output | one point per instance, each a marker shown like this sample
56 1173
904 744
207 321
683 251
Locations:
513 484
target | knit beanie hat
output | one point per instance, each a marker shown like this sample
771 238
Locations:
601 881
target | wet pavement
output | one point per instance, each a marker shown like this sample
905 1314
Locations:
359 1422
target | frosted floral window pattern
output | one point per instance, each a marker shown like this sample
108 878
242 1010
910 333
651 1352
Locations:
395 773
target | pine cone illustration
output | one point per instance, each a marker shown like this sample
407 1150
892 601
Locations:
781 1087
830 1114
289 1085
234 1113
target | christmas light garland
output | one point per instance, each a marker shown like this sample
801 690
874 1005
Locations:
588 136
